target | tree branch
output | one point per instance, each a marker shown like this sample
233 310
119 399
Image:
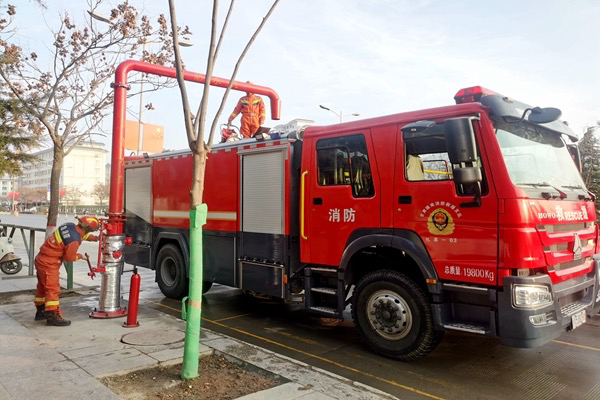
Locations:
189 127
235 71
210 64
223 29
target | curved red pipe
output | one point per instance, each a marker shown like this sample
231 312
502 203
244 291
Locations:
117 168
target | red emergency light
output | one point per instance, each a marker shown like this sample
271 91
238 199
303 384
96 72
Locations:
471 94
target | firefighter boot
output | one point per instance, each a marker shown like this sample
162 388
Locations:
55 319
40 313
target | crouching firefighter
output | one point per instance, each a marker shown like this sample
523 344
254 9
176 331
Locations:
62 245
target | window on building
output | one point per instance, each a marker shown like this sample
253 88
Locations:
344 161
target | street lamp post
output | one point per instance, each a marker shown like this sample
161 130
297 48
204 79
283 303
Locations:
182 42
340 115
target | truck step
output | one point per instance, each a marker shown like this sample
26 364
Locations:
324 310
324 270
324 290
457 326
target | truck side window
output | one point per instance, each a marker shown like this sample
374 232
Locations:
344 161
426 158
430 162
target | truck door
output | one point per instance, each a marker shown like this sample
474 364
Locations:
342 194
462 240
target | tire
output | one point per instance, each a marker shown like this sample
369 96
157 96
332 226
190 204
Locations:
170 272
11 267
206 285
401 308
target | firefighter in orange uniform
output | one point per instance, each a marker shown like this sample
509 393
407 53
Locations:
61 246
253 113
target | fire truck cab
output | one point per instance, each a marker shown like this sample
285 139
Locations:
470 217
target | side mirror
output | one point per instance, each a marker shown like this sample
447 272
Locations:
460 140
462 152
467 175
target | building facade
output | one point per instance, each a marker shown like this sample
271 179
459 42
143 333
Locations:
83 168
7 184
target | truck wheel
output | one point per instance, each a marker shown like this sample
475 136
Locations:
170 272
393 316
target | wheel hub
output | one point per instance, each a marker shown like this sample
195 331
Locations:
389 314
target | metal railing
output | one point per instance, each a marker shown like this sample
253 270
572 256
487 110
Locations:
29 246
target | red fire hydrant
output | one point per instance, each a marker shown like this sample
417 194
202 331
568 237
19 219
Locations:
134 296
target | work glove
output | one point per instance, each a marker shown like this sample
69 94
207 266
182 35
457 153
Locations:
78 257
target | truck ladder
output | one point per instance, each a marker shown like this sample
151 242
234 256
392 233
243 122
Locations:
324 291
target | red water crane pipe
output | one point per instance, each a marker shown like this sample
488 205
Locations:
117 168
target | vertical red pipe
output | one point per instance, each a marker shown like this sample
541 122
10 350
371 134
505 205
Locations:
117 168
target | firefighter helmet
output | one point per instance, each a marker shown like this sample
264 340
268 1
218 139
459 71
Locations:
90 223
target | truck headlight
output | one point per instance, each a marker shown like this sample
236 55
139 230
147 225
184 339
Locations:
531 296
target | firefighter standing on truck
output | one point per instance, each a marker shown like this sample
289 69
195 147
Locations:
62 245
253 113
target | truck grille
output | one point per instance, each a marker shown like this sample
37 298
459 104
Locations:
554 228
558 241
570 264
565 246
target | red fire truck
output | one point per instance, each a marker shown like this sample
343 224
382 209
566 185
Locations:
470 217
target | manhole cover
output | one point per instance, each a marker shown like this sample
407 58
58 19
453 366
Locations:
153 338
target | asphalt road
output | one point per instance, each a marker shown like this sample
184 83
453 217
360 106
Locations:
464 366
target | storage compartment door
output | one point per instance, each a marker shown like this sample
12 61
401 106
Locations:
138 204
262 193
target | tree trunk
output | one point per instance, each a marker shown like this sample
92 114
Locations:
198 177
198 213
57 165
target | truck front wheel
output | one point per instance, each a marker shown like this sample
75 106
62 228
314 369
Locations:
393 316
170 272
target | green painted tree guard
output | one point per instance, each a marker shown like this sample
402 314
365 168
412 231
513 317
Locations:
194 306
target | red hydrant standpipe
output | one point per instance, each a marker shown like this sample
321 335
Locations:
134 297
110 268
113 241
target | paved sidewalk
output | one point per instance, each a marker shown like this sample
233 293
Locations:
64 363
40 362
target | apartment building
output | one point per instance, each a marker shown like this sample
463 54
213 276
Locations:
7 184
83 167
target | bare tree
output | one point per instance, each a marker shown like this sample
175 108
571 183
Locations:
70 99
195 130
101 192
32 195
72 196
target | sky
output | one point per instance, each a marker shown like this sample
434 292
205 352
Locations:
374 57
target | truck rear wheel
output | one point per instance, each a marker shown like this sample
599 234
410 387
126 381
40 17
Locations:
393 316
170 272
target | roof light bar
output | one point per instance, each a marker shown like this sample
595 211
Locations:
472 94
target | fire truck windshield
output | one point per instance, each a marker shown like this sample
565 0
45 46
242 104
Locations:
537 157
